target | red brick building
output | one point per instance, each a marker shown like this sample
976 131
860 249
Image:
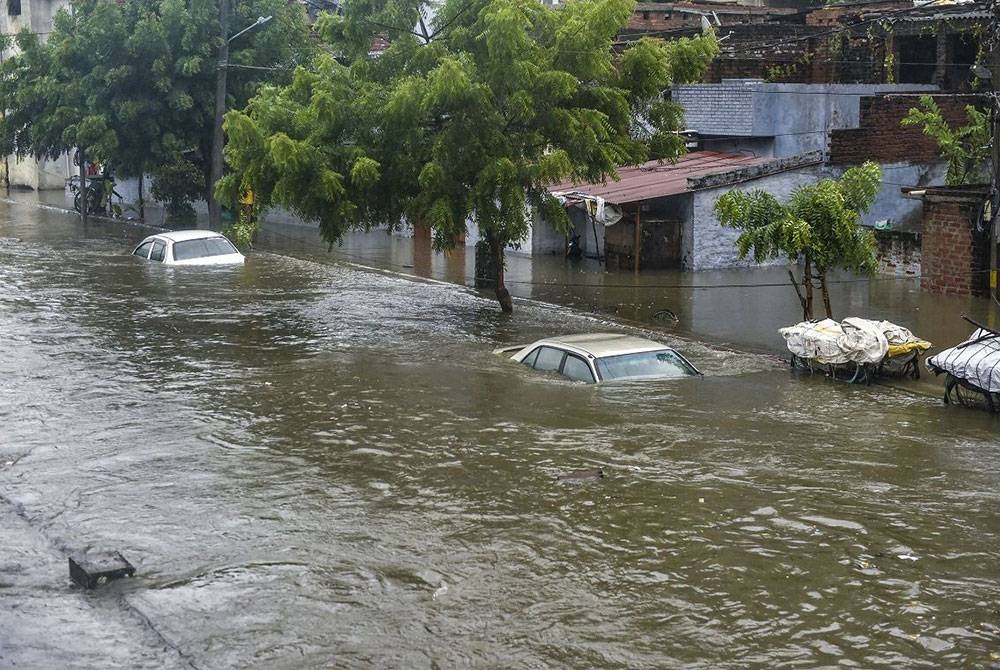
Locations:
955 244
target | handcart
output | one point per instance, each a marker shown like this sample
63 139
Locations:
972 369
854 350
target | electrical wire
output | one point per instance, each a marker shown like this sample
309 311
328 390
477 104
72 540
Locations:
561 284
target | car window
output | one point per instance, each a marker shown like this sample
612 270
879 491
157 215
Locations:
158 248
663 363
143 249
209 246
577 369
529 360
548 359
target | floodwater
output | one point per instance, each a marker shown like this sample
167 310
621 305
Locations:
314 464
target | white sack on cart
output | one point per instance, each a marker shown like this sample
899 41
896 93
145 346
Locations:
852 341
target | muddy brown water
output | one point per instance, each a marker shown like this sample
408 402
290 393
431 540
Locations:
314 464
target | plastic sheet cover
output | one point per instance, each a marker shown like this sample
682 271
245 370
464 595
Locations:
976 360
853 340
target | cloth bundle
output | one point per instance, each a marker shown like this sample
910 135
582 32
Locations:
853 340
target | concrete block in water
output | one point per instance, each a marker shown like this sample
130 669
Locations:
94 570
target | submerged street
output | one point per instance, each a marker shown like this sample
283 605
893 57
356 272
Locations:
314 463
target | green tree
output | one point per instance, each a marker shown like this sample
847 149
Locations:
465 117
967 148
819 224
134 82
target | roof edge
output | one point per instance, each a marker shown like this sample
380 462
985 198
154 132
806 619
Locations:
751 172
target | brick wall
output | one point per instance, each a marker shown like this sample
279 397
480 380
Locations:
954 260
881 138
652 20
657 16
762 50
833 15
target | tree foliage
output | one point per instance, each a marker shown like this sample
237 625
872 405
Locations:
134 82
820 223
967 148
468 115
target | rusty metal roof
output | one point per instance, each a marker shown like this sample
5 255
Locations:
656 180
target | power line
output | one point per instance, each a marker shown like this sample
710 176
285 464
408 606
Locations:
554 284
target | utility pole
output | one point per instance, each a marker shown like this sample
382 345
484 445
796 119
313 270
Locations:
993 38
215 168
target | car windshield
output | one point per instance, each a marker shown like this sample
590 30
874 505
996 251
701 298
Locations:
664 363
208 246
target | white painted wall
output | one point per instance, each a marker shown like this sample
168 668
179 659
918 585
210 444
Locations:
708 245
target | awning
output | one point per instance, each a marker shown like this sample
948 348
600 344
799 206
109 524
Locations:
657 179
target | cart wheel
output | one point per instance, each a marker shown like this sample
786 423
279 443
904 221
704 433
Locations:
960 393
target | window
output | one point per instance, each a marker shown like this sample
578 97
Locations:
14 7
548 359
577 369
209 246
143 250
158 248
529 360
651 364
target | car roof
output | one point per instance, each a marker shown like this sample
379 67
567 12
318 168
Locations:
599 345
182 235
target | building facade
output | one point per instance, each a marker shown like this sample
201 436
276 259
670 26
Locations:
35 16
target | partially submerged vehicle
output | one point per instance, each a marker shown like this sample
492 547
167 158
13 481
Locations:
972 370
189 247
855 350
601 357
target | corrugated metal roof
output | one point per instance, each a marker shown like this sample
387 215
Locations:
656 180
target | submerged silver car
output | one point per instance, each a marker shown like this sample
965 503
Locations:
601 357
189 247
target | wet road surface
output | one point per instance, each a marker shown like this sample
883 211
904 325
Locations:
312 464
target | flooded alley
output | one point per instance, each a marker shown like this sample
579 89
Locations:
314 463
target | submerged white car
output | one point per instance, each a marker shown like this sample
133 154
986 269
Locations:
601 357
189 247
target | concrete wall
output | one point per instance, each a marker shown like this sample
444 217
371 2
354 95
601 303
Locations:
707 245
795 118
545 240
904 213
45 174
36 16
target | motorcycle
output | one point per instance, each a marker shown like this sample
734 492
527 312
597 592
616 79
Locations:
573 249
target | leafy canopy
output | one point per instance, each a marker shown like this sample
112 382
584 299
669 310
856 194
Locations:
134 82
819 223
468 115
821 220
967 148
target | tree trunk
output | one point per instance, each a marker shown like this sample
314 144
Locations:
826 295
142 201
798 290
503 295
83 184
807 288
